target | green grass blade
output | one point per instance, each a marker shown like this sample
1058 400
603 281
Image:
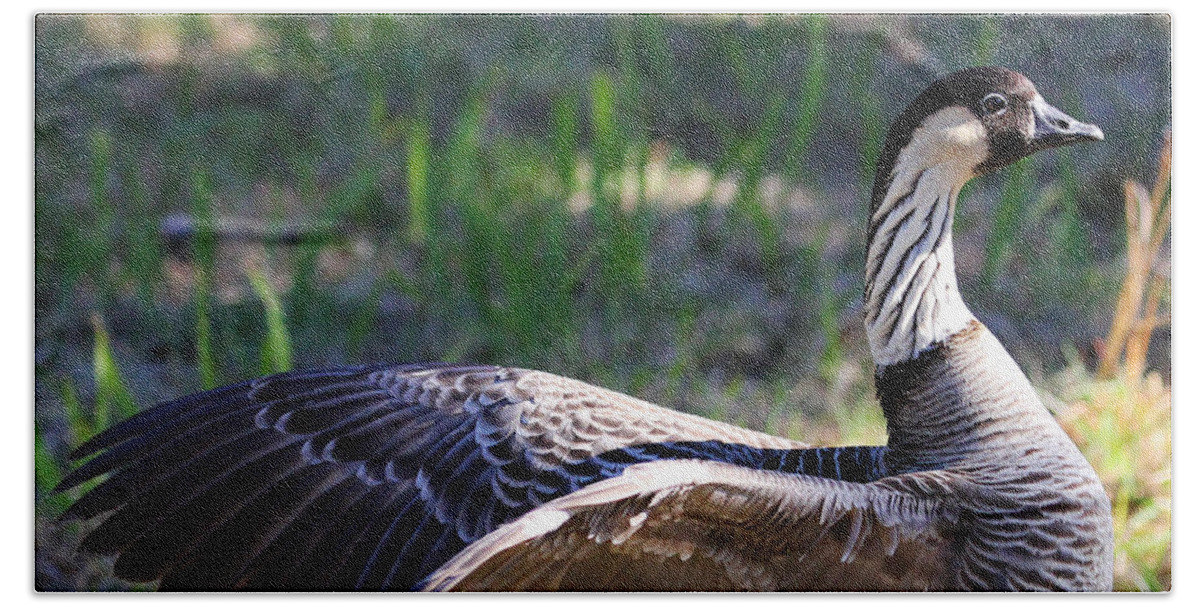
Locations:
606 149
276 350
77 422
812 96
310 305
98 234
564 140
1070 239
112 394
363 319
864 65
631 103
564 133
622 261
748 202
145 256
1005 220
625 256
829 313
420 157
984 44
46 475
46 471
205 361
465 184
204 247
554 270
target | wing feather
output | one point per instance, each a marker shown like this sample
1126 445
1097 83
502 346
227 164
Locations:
703 525
367 477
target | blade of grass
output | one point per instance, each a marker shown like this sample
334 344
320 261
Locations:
1161 199
310 305
659 64
621 250
112 394
143 245
466 185
748 203
530 254
632 109
564 140
606 149
515 328
204 253
559 284
1139 336
97 242
419 157
983 49
829 312
1069 236
864 65
1068 268
46 475
1005 220
78 424
276 350
364 318
812 96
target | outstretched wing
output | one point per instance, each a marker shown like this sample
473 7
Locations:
708 526
362 478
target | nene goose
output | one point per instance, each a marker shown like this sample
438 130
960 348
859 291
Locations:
435 476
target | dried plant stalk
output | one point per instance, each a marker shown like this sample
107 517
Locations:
1138 343
1147 220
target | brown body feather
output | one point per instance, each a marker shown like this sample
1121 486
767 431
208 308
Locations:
987 493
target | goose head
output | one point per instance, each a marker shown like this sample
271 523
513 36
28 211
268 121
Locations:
973 122
964 125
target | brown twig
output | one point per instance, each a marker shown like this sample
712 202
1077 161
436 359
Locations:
1147 220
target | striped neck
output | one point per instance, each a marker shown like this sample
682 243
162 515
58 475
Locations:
912 301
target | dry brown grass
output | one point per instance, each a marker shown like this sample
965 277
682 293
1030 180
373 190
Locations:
1147 275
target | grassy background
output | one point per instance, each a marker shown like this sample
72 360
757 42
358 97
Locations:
668 206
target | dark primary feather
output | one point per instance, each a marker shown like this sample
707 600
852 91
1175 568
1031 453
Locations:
372 477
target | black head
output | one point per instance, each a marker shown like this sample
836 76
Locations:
1015 120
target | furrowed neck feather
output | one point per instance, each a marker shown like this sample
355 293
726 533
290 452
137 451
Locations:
912 300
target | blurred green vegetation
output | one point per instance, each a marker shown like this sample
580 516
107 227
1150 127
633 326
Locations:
668 206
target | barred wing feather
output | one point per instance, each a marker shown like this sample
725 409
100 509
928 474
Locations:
360 478
697 525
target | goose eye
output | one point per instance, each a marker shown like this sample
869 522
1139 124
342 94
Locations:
994 103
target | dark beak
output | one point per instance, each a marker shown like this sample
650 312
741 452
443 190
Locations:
1052 127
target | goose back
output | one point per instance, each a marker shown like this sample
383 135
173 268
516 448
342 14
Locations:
979 489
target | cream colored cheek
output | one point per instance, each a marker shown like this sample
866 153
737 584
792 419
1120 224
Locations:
970 135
